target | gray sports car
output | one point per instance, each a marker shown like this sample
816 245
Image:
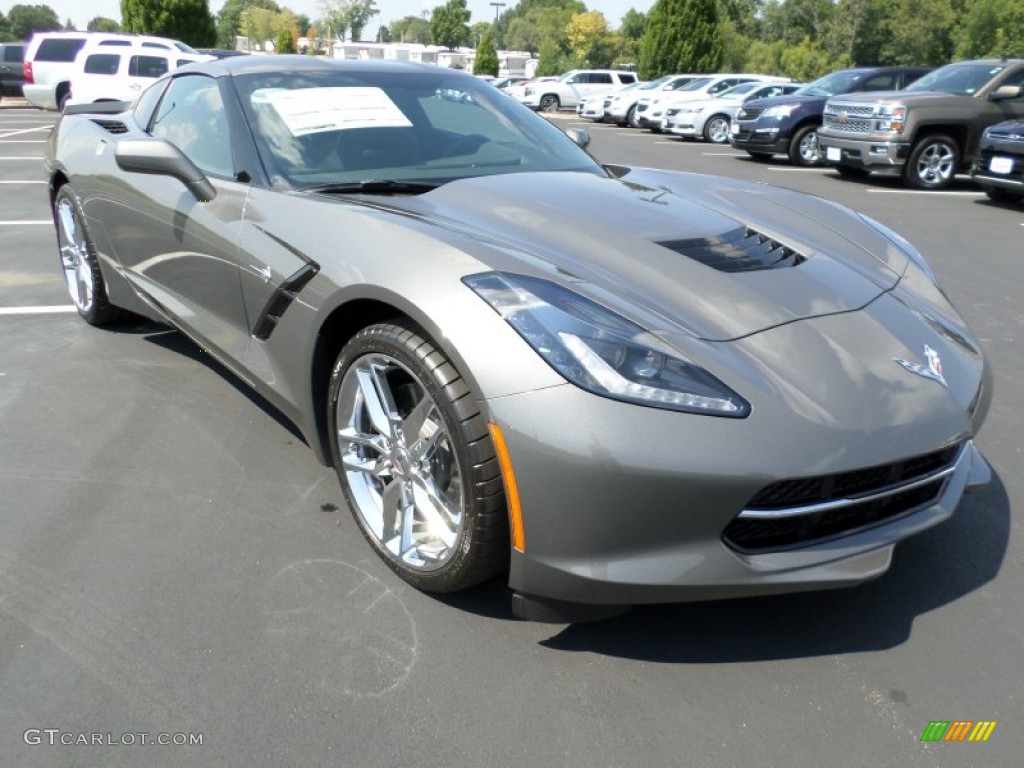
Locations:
619 385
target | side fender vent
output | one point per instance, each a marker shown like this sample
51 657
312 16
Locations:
739 250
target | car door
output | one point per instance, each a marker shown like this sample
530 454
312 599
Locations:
143 69
180 252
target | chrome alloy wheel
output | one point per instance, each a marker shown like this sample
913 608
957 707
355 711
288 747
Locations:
399 462
810 151
936 164
717 130
74 257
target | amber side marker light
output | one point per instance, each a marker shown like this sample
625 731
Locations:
515 511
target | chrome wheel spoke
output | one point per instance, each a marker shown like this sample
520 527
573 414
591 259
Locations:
378 399
441 520
421 427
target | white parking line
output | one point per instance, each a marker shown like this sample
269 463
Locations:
27 157
37 310
631 133
21 141
922 192
797 170
21 181
719 154
26 130
25 222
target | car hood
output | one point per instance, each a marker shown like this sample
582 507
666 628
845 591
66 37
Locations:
670 250
775 101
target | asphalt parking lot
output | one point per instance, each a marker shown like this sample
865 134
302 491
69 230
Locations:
174 561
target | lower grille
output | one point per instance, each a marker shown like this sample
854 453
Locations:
804 511
849 125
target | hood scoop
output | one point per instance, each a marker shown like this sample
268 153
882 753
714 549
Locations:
112 126
739 250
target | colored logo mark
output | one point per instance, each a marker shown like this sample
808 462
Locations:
958 730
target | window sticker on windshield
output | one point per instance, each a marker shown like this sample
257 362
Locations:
313 110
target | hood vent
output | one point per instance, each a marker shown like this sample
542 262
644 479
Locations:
740 250
112 126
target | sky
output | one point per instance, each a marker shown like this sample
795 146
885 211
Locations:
82 11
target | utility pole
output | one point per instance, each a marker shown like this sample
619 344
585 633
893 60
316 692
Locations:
497 7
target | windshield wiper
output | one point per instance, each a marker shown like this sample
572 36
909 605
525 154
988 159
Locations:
375 187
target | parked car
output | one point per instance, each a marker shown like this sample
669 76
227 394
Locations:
513 359
518 90
999 163
595 107
566 91
50 61
702 87
12 76
503 83
928 132
709 119
105 73
788 125
623 106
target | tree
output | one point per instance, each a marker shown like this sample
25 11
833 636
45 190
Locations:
5 28
26 19
231 21
284 42
359 14
681 36
990 28
590 42
633 25
449 23
920 32
411 29
187 20
486 62
103 24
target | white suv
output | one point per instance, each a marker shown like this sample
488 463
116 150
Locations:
566 91
50 60
104 73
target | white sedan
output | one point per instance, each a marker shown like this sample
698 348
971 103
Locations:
709 118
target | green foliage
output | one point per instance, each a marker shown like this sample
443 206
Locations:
535 23
808 61
449 24
681 36
26 19
411 29
633 25
103 24
486 62
991 28
920 32
284 42
187 20
5 29
551 61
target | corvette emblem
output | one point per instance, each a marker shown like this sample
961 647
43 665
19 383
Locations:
933 369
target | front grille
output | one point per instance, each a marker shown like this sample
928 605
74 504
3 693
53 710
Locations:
749 113
739 250
846 126
840 504
854 110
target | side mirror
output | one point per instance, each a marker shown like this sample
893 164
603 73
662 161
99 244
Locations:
1004 92
579 136
161 158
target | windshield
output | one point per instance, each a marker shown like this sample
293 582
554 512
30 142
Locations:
959 79
738 91
830 85
318 128
695 85
650 85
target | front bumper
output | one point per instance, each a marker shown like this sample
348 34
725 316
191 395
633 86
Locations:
881 156
627 505
1000 165
755 138
682 125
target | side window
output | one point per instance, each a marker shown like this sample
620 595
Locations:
59 49
580 78
1017 78
880 83
116 43
602 78
102 64
147 66
162 46
191 116
13 53
146 103
627 79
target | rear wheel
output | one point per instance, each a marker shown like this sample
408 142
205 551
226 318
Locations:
716 129
933 163
415 460
804 149
78 261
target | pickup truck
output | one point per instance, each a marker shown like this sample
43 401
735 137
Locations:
929 131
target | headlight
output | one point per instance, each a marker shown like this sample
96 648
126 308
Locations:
902 243
602 352
890 118
780 111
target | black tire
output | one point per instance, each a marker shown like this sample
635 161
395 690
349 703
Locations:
63 95
804 149
631 118
77 255
761 157
455 462
850 172
713 129
549 102
997 195
933 163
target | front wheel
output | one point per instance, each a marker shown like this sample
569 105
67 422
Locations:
804 149
933 163
549 102
716 130
631 118
78 261
415 460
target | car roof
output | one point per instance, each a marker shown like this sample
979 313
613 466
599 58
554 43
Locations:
245 65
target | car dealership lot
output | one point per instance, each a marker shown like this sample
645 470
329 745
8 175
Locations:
172 559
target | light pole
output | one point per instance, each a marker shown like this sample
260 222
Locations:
497 7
